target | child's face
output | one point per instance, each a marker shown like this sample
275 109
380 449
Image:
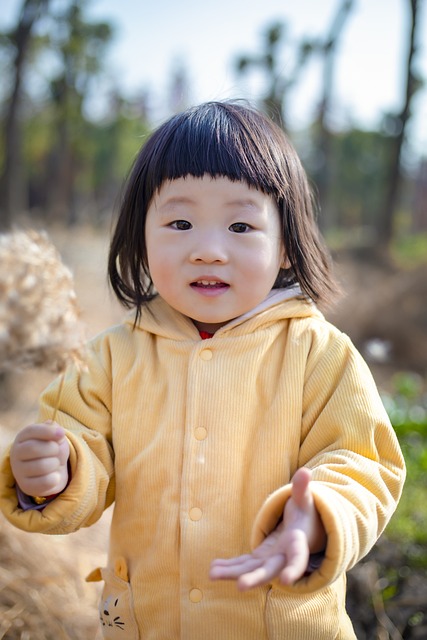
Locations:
214 248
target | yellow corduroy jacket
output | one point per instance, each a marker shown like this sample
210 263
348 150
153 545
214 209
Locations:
196 442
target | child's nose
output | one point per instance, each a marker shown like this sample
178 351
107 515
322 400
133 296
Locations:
209 247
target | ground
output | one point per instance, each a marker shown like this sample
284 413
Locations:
384 311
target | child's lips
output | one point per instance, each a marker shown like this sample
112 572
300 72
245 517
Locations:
209 285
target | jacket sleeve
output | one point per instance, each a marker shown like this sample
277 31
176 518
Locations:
84 410
357 466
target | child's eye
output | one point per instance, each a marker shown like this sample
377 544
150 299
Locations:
181 225
239 227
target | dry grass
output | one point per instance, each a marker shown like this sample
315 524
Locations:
43 594
39 315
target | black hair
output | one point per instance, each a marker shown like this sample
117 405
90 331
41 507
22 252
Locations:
220 139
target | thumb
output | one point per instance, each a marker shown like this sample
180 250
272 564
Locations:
301 488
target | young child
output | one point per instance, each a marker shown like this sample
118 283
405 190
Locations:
225 418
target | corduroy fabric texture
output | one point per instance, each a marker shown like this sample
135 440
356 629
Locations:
196 442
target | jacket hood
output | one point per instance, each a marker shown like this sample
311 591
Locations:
281 304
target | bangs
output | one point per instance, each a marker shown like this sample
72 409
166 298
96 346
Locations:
215 139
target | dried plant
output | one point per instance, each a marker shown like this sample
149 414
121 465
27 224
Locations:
40 327
39 314
52 604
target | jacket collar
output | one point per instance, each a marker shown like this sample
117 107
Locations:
280 304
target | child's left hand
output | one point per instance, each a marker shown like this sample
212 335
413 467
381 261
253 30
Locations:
285 552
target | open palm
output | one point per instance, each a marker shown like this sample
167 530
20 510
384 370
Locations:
285 551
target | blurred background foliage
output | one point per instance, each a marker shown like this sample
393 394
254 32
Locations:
62 164
407 408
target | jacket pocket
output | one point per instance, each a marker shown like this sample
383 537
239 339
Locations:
116 610
315 616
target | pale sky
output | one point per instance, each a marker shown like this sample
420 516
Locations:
153 36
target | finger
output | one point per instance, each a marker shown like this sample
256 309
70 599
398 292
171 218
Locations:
232 572
231 561
291 574
43 431
41 467
301 488
43 485
294 570
35 449
262 575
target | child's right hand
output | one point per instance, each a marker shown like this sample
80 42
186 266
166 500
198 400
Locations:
39 457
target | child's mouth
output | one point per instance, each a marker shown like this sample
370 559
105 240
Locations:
209 286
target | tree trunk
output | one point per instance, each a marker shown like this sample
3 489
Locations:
385 229
12 186
324 146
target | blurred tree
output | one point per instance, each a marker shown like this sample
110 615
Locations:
44 167
278 87
108 151
397 124
38 138
79 45
357 184
327 49
102 151
360 159
419 219
18 40
269 63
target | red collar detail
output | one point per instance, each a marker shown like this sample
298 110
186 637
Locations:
205 335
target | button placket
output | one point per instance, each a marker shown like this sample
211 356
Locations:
194 459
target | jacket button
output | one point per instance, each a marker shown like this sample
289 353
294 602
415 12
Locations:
195 514
196 595
200 433
206 354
